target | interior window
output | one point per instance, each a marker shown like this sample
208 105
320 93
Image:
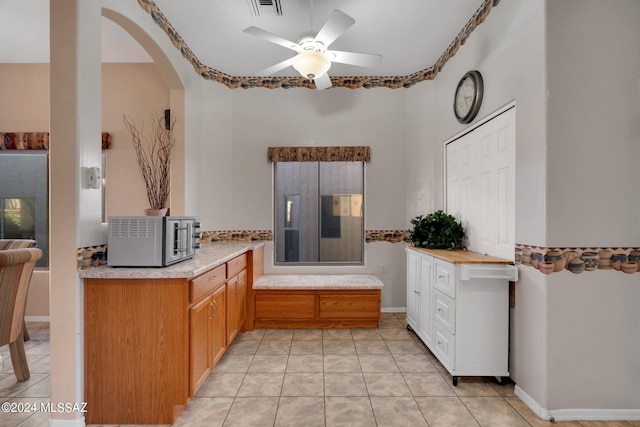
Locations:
24 198
319 212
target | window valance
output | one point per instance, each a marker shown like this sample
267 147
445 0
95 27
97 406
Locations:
319 154
35 140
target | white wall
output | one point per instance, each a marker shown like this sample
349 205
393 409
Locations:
574 338
138 91
594 122
75 133
237 188
303 117
225 154
593 199
508 49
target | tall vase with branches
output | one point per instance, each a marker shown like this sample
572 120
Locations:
153 153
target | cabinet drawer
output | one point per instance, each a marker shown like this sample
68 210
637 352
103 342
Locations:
445 279
445 311
206 283
349 306
445 347
236 265
283 306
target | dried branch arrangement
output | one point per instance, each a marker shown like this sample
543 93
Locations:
154 158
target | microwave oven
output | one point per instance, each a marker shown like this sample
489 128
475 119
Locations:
151 241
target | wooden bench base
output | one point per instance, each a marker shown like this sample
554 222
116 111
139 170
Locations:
285 305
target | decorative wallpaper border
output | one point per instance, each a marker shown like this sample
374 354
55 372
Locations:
391 236
91 256
36 140
319 154
95 256
352 82
578 259
545 259
371 236
236 235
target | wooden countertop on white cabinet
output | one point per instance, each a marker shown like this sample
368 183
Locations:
458 304
461 256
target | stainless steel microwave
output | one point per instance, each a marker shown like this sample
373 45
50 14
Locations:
151 241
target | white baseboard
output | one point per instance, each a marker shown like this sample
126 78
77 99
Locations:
577 414
393 309
78 422
595 414
531 403
37 318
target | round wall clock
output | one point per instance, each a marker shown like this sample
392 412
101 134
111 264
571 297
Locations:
468 97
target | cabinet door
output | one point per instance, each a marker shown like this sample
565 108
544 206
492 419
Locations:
241 299
425 297
236 304
413 288
231 315
198 342
217 326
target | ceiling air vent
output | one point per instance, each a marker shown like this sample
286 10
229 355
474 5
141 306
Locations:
265 7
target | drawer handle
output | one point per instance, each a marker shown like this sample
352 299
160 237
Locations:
441 310
441 277
213 310
417 292
440 343
212 278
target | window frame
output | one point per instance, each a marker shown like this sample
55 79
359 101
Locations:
276 228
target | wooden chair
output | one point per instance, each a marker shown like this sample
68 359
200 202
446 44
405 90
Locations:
19 244
16 266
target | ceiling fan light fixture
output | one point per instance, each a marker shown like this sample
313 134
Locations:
311 64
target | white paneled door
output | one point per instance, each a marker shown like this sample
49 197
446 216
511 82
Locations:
480 176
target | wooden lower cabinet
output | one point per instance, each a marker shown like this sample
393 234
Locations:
199 344
150 343
207 336
218 326
236 304
136 350
317 308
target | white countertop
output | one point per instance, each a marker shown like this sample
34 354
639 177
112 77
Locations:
209 256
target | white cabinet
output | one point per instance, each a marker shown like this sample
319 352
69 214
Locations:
458 304
419 294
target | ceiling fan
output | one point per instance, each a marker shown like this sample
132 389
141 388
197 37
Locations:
314 58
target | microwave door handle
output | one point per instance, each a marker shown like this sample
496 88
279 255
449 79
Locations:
176 238
184 233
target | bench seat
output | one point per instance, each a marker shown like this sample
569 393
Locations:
318 281
317 301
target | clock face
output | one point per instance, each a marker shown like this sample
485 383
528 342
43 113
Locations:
468 97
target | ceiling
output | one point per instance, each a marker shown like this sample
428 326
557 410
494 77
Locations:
411 35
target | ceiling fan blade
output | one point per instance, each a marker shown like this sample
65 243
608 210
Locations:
323 82
258 32
335 26
368 60
275 68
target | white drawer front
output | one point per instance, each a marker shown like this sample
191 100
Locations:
445 311
445 347
445 278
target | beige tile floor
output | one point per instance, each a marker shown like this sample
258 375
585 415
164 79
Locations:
316 377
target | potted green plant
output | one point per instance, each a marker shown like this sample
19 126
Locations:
154 160
437 230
